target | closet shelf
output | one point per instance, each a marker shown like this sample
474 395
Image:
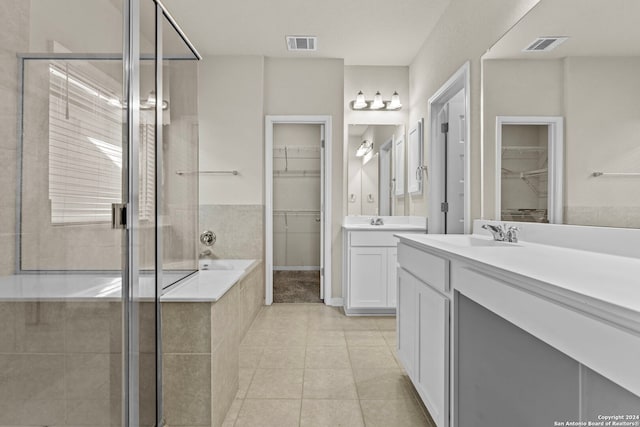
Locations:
524 148
296 173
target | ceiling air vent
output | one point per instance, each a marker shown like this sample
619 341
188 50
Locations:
545 44
303 43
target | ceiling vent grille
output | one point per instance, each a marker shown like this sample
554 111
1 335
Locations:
302 43
544 44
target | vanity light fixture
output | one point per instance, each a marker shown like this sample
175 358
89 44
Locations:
364 148
377 104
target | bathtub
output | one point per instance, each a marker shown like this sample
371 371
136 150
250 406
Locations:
75 286
212 283
226 264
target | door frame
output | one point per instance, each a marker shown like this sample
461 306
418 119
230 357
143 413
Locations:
555 141
460 80
325 206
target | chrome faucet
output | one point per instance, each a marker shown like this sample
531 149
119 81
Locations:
502 233
377 221
497 231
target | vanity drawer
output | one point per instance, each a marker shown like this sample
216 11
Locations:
429 268
372 238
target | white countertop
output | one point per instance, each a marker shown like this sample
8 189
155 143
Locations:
596 280
391 223
385 227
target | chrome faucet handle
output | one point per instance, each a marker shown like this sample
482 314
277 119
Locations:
497 231
512 234
208 238
377 221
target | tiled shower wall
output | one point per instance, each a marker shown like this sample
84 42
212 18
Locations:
239 230
603 216
13 38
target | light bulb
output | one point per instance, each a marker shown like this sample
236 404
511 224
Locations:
377 102
359 103
395 102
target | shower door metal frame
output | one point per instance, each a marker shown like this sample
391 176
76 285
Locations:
131 59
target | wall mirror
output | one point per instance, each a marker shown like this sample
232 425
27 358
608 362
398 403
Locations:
376 172
557 62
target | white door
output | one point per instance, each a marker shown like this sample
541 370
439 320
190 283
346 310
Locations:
448 183
432 374
407 319
455 164
368 277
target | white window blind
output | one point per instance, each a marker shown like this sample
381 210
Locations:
85 146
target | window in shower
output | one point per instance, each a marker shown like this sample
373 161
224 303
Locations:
85 145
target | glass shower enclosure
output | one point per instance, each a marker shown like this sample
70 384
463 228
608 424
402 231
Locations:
99 115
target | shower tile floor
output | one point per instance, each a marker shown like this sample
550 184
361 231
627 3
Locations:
310 365
296 286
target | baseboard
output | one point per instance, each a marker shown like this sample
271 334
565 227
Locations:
335 302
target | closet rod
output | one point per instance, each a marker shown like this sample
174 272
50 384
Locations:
232 172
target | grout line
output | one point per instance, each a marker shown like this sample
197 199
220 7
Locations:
304 370
355 385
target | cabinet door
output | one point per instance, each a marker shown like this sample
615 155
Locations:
407 317
392 274
432 374
368 277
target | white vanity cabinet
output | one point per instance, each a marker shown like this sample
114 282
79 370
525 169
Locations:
423 330
370 270
485 328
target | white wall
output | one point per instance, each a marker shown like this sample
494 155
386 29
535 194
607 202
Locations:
314 87
602 134
231 129
465 31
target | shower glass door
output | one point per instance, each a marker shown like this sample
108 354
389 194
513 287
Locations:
81 195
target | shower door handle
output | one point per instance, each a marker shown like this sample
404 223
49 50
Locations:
119 216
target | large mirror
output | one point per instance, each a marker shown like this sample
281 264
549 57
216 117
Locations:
573 64
376 170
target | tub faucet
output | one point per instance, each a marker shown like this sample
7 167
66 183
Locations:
377 221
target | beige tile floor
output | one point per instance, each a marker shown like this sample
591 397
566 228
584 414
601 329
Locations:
310 365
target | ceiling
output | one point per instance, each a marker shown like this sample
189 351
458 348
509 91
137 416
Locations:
362 32
594 27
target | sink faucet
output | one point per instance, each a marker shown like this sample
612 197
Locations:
497 231
377 221
502 233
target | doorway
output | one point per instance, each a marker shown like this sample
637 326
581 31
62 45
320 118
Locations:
297 224
529 169
449 160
